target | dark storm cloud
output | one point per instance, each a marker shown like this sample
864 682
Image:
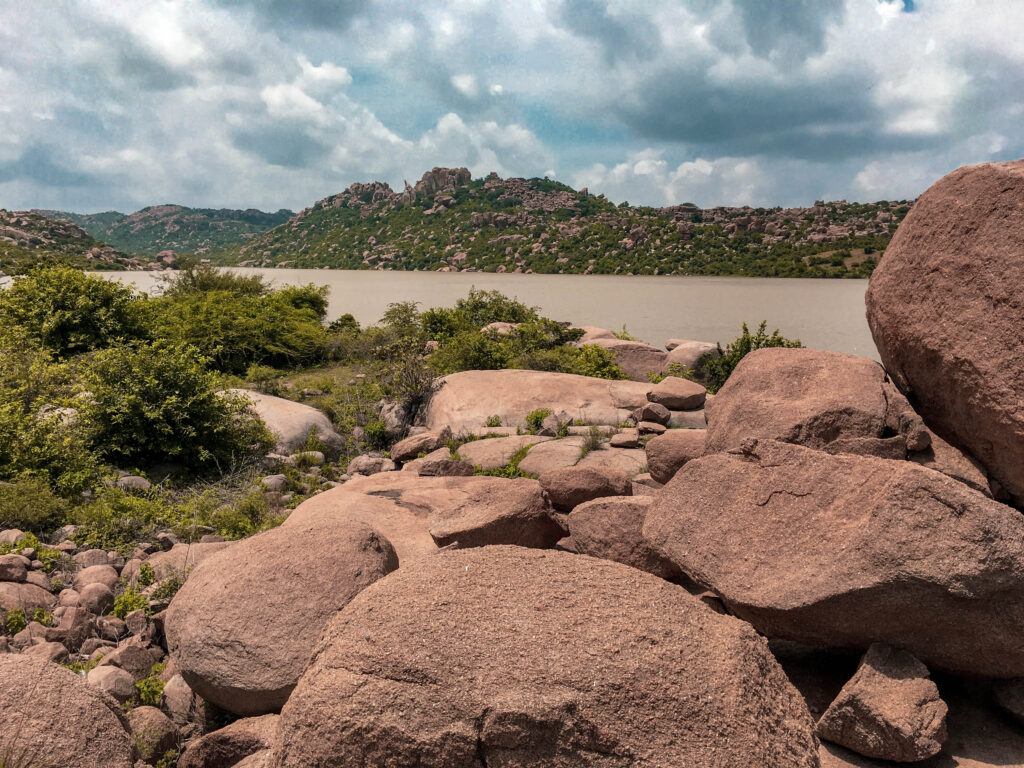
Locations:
619 37
304 14
282 145
41 165
791 27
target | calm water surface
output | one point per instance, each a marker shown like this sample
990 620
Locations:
824 314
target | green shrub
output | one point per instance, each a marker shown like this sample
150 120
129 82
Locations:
128 601
717 370
169 587
593 360
147 576
15 621
43 616
115 520
29 504
69 311
158 402
346 323
493 421
591 441
150 689
192 278
535 420
265 379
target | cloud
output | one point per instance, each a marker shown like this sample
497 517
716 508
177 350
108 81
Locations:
273 103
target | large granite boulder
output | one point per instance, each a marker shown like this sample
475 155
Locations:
843 550
466 400
946 309
291 423
242 627
515 657
52 718
667 453
819 399
611 528
636 359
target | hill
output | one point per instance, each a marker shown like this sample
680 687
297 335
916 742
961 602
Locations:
173 227
27 239
449 221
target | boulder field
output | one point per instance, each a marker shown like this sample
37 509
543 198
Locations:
820 566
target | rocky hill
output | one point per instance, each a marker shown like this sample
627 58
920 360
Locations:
27 238
173 227
449 221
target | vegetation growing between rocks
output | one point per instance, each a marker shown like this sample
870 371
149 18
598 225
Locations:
717 370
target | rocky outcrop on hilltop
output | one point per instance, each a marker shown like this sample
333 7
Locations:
449 221
27 239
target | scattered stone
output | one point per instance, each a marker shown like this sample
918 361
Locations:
446 468
651 412
651 428
413 446
627 438
57 719
511 656
96 598
690 355
113 680
677 394
275 482
133 483
848 550
96 574
155 733
569 487
18 596
13 568
369 464
889 710
611 528
55 652
945 313
245 656
668 453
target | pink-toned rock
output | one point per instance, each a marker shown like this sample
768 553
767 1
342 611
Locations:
668 453
51 651
227 746
53 718
553 454
467 399
96 598
445 468
591 333
496 452
636 359
889 710
651 412
651 428
842 550
291 423
678 394
368 464
944 458
425 442
612 528
511 656
690 355
625 438
15 596
155 733
569 487
114 681
176 561
632 461
803 396
945 308
13 568
96 574
245 655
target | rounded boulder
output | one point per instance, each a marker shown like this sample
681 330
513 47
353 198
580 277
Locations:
242 627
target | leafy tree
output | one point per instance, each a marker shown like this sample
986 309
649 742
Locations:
68 311
193 277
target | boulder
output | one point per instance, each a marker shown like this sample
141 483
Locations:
678 394
52 718
945 307
510 656
653 412
229 745
569 487
611 528
944 458
96 574
636 359
889 710
15 596
632 461
154 732
844 551
48 651
690 354
425 442
802 396
592 332
467 399
176 561
96 598
553 454
369 464
13 568
445 468
246 654
291 423
625 438
667 453
113 681
497 451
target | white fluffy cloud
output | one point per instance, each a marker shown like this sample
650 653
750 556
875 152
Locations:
271 103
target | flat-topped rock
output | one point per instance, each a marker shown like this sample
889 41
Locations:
496 452
467 399
636 359
678 394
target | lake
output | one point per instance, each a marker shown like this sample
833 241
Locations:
823 314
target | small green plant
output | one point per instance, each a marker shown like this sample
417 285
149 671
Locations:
624 335
678 370
169 587
717 370
82 668
15 621
128 601
169 759
493 421
535 420
510 470
147 576
563 429
43 616
591 441
376 434
150 689
57 584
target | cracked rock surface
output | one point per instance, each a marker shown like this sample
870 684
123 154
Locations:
844 550
506 656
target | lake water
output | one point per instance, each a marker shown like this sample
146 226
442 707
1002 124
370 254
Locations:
823 314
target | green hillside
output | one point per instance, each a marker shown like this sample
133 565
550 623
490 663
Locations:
28 239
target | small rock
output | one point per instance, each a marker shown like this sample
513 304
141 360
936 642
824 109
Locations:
650 428
627 438
13 568
155 733
133 483
96 574
369 464
275 482
569 487
677 394
114 681
55 652
652 412
445 468
96 598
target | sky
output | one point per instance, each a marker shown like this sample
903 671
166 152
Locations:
106 104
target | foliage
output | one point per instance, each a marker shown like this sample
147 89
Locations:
151 688
43 616
29 504
535 420
146 575
169 587
15 621
493 421
624 335
678 370
717 370
591 441
68 311
128 601
158 402
194 278
511 470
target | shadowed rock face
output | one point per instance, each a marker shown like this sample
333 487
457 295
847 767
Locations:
515 657
843 550
946 310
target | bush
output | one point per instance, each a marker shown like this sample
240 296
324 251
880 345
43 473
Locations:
15 621
158 402
535 420
717 370
128 601
69 312
30 505
493 421
194 278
